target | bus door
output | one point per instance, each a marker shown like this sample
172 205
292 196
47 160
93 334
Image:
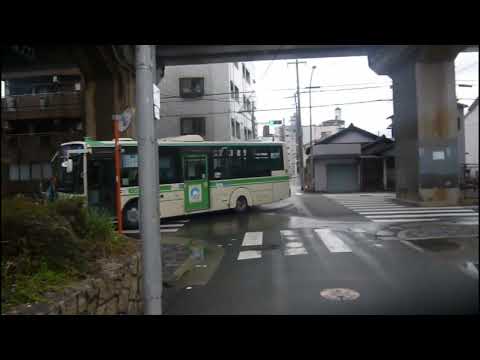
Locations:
195 175
101 184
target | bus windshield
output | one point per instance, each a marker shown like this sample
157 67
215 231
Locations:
68 182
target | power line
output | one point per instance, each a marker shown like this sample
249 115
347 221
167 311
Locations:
271 62
212 94
280 109
349 89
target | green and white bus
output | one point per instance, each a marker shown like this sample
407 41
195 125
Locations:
195 176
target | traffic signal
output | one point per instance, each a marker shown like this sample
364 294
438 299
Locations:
276 122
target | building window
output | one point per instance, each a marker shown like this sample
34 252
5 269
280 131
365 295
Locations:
233 127
13 173
459 124
36 172
191 87
236 64
247 75
243 70
237 94
237 129
24 172
232 90
193 126
248 105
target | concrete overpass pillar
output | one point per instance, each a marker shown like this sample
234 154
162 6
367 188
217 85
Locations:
89 96
425 110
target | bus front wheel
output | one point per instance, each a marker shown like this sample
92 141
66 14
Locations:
241 205
131 215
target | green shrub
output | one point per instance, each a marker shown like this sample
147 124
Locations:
74 211
44 246
33 232
20 288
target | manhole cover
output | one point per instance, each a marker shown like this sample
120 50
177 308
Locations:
340 294
437 245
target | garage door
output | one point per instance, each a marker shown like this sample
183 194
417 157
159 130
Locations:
342 178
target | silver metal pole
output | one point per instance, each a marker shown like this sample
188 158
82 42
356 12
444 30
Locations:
312 178
149 186
300 133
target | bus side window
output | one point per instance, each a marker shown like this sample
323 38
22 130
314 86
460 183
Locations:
218 164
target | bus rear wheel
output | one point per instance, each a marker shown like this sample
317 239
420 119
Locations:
241 205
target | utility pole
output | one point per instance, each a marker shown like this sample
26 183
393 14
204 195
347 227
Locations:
312 177
254 125
299 128
148 183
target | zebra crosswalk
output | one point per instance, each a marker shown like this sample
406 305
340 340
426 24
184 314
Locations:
165 227
292 242
379 207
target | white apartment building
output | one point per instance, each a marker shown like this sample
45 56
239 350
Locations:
471 139
215 101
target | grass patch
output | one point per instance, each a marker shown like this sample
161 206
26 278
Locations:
46 246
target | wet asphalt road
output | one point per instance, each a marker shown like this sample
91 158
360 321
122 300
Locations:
310 243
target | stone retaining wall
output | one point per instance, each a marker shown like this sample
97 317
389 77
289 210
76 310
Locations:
116 289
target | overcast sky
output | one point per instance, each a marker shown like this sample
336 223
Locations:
350 72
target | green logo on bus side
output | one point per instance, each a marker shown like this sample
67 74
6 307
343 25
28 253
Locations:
133 191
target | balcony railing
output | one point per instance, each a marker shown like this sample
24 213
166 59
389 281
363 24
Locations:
38 106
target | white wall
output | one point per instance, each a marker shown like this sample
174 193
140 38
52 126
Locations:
236 76
337 149
216 80
471 137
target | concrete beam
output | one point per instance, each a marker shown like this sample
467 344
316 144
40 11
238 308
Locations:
386 59
201 54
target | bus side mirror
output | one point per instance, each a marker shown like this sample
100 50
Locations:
68 165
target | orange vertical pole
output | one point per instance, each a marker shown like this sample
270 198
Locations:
117 176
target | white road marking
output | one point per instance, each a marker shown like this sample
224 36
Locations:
358 230
472 222
253 239
171 225
138 231
419 215
372 207
421 208
249 254
403 220
131 231
295 251
287 232
298 194
414 212
332 241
